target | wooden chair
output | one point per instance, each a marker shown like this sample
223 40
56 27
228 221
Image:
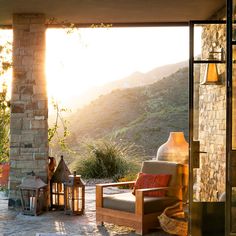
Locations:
140 212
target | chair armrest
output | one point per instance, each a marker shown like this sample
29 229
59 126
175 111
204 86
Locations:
157 188
115 184
99 190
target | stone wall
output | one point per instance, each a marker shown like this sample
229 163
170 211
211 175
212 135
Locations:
29 109
212 124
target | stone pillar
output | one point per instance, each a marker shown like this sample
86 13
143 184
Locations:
29 104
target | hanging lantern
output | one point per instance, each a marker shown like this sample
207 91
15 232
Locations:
33 195
74 195
57 181
211 75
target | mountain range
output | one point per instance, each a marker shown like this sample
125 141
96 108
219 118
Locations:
136 79
143 113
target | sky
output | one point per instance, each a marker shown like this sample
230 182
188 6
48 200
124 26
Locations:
5 36
92 57
95 56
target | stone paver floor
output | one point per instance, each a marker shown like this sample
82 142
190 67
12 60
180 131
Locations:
13 223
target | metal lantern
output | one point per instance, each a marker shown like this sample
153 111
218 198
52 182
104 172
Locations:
211 75
60 176
33 195
74 195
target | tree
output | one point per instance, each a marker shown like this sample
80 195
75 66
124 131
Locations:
58 134
5 65
4 124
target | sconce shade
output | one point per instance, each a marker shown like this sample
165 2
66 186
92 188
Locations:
211 75
60 176
175 149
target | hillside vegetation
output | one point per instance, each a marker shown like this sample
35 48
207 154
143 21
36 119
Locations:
136 79
142 115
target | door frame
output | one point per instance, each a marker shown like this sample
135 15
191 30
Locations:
198 209
230 153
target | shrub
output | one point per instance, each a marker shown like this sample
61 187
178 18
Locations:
106 159
129 177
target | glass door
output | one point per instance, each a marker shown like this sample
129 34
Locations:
207 132
231 119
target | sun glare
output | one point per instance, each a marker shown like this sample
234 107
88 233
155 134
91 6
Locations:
91 57
6 37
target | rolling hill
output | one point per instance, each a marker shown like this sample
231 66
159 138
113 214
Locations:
136 79
142 115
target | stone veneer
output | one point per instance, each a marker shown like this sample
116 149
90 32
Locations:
212 125
29 109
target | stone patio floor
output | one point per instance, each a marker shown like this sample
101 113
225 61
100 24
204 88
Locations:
54 223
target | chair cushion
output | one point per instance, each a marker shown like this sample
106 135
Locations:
126 202
165 167
152 181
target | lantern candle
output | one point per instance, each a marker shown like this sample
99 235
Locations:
32 203
70 204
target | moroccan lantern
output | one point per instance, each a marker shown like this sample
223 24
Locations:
74 195
57 181
33 195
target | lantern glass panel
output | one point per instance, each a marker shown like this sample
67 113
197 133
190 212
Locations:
58 194
78 199
54 195
29 199
41 204
69 198
61 194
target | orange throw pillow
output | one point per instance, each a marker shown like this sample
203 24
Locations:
152 181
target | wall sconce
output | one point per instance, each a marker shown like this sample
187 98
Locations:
211 75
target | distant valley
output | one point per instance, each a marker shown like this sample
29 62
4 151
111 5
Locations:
141 112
